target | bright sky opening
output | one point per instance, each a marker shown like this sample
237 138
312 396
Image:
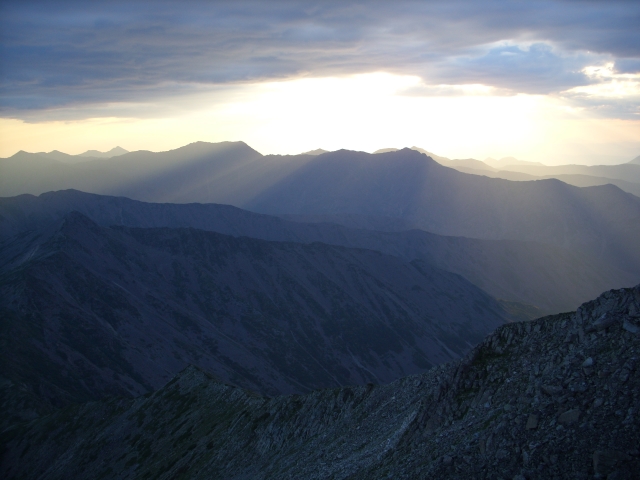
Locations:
458 80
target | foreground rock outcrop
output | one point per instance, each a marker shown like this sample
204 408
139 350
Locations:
557 397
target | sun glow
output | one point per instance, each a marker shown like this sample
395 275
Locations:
367 112
359 112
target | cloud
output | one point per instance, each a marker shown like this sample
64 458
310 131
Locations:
66 56
535 68
613 93
447 90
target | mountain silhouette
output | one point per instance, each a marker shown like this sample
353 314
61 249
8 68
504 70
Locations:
226 172
600 221
114 152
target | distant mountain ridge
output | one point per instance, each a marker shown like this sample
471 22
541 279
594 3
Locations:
317 151
509 168
226 172
202 172
81 157
627 171
405 186
577 180
602 220
551 278
114 152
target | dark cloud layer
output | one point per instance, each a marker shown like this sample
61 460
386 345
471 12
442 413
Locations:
61 54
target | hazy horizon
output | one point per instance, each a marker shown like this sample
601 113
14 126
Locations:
602 160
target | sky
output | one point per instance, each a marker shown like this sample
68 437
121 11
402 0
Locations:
550 81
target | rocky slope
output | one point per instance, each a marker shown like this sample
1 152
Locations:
557 397
552 278
89 311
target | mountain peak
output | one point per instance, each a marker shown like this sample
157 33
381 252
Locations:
317 151
75 220
200 147
414 148
385 150
57 155
114 152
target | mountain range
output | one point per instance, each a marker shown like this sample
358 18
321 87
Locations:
624 176
406 185
509 168
17 168
552 278
81 157
599 221
227 172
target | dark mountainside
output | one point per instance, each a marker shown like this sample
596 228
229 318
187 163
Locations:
89 311
600 221
551 278
226 172
553 398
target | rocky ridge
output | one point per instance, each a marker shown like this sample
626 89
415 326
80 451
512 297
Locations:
556 397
